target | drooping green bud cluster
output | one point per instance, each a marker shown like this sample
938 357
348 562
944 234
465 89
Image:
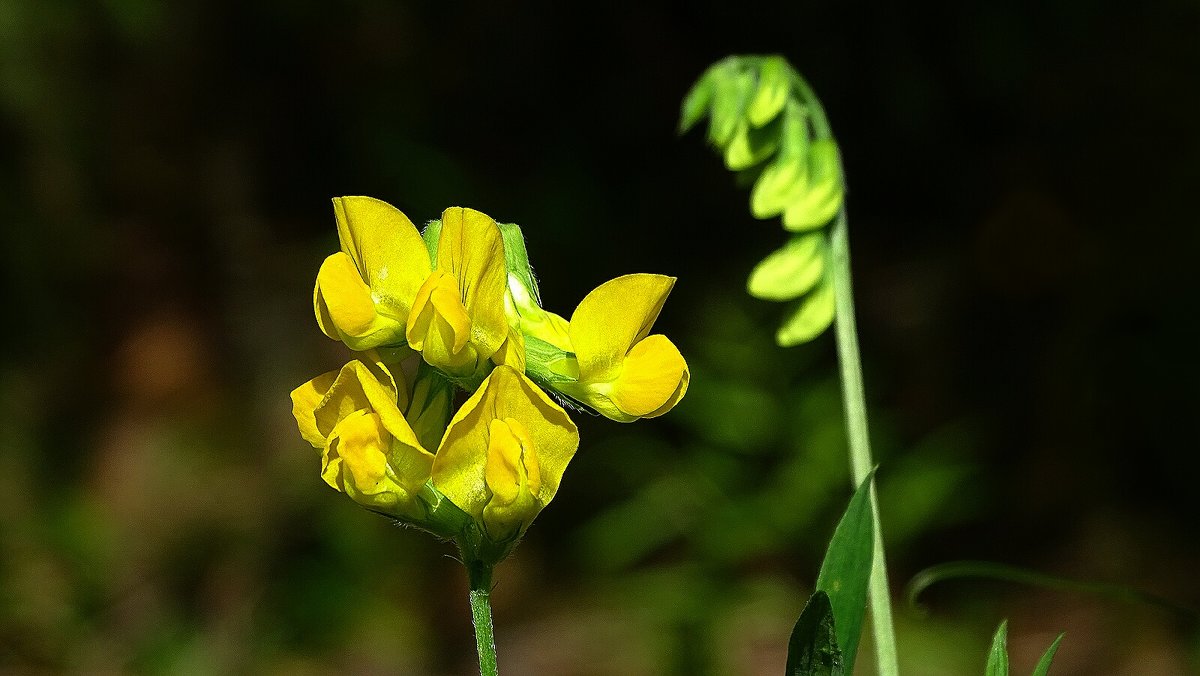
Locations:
765 121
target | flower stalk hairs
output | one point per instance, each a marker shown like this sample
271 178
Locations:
451 316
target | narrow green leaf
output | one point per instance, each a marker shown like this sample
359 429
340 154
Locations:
813 648
809 317
846 570
989 570
1043 665
997 663
791 271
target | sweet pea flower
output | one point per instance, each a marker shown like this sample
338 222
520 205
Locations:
364 292
504 454
604 356
458 320
387 287
369 450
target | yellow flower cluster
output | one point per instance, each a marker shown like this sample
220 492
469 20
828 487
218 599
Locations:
456 309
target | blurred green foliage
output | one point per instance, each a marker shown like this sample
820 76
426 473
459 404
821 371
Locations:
1021 187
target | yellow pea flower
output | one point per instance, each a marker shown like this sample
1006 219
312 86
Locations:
457 320
624 373
504 454
369 450
364 292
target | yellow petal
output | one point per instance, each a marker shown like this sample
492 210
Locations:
504 470
651 377
321 310
361 441
386 248
471 250
305 400
512 351
460 466
611 319
440 328
346 296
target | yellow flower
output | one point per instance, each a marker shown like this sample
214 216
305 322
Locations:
458 321
365 291
624 373
382 288
504 454
369 450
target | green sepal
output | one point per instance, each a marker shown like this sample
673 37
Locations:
774 85
997 662
822 197
732 89
443 518
548 364
431 405
809 317
431 234
846 570
516 258
813 647
790 271
1043 665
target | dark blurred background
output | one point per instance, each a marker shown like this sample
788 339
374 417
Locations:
1022 186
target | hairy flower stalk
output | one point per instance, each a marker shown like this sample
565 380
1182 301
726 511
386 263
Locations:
455 311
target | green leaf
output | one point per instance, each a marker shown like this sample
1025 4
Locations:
1043 665
809 317
997 663
813 648
791 271
846 570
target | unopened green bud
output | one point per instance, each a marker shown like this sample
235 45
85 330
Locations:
822 198
790 271
809 317
732 89
774 84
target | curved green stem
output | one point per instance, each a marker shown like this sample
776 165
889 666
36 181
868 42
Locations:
480 576
861 464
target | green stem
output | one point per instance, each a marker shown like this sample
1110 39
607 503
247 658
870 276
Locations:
480 576
861 464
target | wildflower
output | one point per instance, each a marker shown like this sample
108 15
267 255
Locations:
458 321
369 450
604 357
365 291
504 454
